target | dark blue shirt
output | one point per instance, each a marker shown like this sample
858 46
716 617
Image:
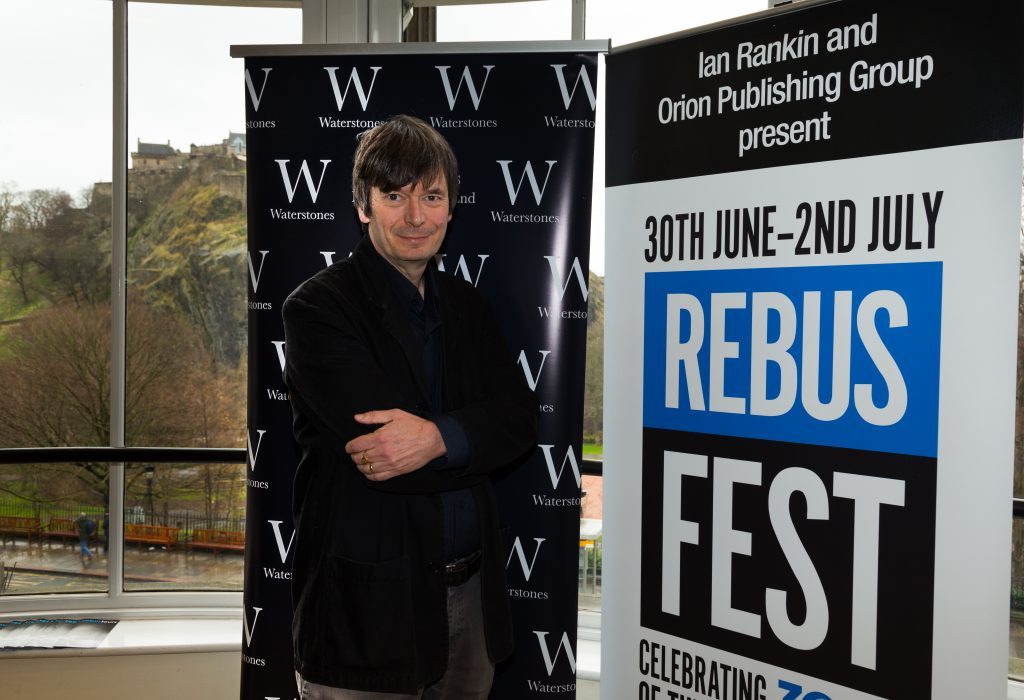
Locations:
461 529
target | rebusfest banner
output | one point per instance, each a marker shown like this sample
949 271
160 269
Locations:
813 226
522 126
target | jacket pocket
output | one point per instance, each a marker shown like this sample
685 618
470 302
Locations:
370 613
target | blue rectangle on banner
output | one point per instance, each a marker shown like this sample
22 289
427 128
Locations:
844 356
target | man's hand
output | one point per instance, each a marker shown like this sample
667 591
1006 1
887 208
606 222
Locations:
403 443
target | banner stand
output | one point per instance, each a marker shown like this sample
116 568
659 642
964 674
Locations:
520 118
811 334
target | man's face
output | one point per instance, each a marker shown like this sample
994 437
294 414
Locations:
407 225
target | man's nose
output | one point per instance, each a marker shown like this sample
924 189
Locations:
414 212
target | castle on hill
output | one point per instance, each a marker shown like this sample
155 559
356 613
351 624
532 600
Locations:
155 164
160 156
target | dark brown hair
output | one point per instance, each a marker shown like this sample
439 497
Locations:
402 151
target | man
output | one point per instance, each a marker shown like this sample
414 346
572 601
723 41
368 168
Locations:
404 398
85 527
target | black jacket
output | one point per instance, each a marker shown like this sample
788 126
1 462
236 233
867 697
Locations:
368 587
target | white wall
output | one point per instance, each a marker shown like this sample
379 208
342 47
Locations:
196 676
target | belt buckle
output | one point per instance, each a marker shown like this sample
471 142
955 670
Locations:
458 572
456 567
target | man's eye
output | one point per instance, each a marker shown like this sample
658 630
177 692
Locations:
392 197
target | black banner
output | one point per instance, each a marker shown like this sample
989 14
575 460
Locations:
796 525
522 127
799 89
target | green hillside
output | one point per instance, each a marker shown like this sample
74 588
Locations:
188 256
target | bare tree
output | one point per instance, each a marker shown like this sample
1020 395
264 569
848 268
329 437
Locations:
53 249
56 374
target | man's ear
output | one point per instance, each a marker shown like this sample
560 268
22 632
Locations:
362 215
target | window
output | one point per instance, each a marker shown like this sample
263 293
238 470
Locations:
184 527
54 224
184 387
54 284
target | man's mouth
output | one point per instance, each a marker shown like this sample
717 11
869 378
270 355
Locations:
416 234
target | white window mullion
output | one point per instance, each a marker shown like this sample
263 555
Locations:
386 21
579 20
118 295
335 21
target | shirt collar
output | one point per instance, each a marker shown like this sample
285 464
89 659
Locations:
407 292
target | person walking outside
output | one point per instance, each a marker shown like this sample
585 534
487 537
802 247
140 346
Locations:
85 528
